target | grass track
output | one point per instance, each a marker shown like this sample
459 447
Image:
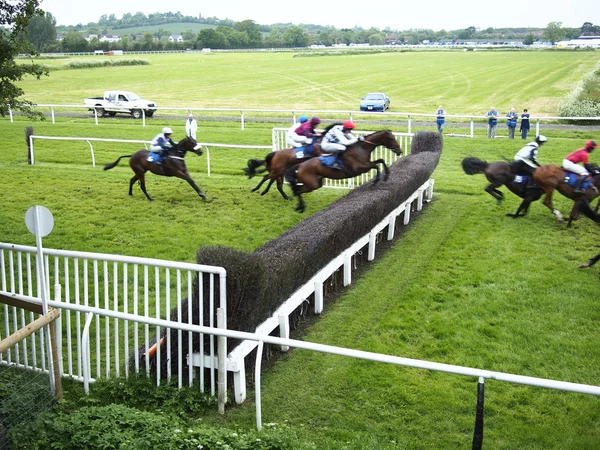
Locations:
464 285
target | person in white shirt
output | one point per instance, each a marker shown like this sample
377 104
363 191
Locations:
294 140
338 138
191 126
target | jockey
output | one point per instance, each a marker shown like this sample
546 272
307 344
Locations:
307 129
580 156
294 140
339 137
526 158
162 142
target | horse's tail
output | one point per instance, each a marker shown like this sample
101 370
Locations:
111 165
472 165
254 164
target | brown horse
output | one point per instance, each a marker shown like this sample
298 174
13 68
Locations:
551 177
308 175
172 166
501 173
276 163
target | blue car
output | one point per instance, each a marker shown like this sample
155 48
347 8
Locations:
375 101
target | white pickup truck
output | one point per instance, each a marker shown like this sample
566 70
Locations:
115 102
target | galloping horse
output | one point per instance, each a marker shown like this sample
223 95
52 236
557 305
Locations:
172 166
308 175
551 177
501 173
277 162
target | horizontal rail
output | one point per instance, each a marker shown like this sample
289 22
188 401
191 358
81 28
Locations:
29 329
323 348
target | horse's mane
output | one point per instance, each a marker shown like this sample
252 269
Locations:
329 127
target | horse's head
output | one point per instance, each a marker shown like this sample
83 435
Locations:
189 144
385 138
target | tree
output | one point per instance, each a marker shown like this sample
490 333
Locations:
295 37
554 32
74 42
528 39
15 16
41 31
252 30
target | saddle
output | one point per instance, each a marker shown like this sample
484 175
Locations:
305 151
332 161
571 179
154 157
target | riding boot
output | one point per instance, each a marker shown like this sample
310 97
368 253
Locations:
579 185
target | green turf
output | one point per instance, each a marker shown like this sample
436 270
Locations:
464 284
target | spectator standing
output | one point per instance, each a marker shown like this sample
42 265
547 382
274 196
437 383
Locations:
441 118
492 117
511 122
191 126
524 129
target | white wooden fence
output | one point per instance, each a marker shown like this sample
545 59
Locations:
144 287
89 141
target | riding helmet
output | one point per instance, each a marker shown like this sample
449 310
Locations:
590 145
315 120
348 124
303 118
167 130
541 138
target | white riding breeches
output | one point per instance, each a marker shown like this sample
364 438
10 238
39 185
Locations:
575 168
332 147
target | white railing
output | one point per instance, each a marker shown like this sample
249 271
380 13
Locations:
89 141
140 286
381 152
341 114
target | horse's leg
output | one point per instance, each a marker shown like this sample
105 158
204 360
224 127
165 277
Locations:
386 169
271 181
132 182
187 178
265 178
292 176
142 179
522 209
548 203
280 188
498 195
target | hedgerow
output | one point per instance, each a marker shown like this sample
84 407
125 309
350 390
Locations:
584 100
106 63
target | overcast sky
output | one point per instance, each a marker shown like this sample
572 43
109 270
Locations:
396 14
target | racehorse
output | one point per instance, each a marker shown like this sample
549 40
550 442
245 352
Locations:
172 166
277 162
308 175
501 173
551 177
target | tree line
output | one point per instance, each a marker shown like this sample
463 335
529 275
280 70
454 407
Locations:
227 34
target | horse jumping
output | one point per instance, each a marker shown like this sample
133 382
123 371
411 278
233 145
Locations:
172 166
276 163
501 173
308 175
551 177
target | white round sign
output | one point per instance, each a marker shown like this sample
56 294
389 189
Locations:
46 221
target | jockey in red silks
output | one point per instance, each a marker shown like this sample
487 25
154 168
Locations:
571 161
339 137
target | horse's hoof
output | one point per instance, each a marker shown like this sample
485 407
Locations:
584 266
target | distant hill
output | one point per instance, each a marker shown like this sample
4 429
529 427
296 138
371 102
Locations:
174 28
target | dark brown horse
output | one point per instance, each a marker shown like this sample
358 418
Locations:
172 166
551 177
308 175
501 173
